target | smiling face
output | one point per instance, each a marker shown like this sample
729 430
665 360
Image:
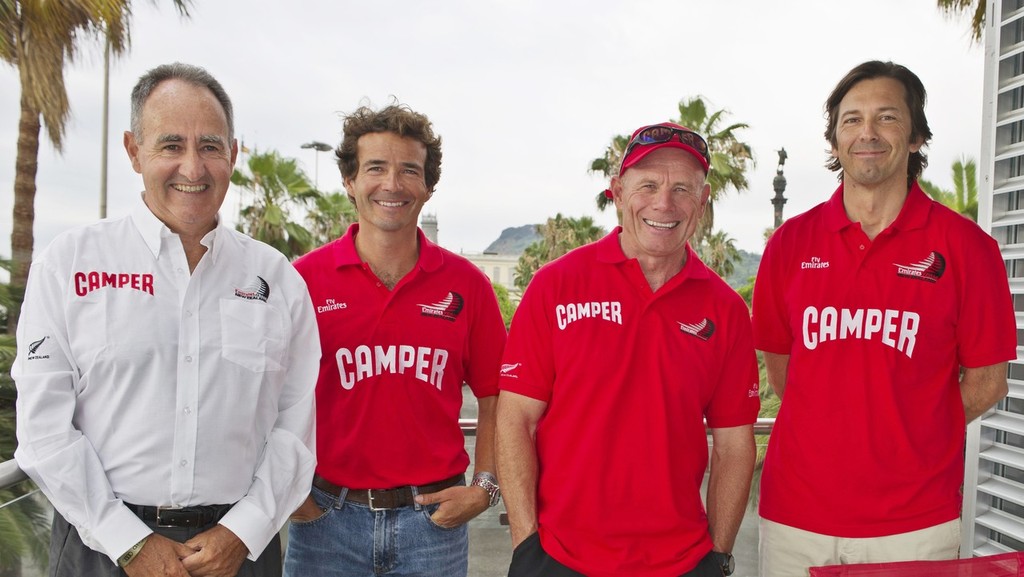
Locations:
389 188
873 134
662 199
184 156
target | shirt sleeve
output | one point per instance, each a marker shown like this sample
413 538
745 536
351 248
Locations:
986 332
56 455
736 400
771 330
528 366
285 472
487 337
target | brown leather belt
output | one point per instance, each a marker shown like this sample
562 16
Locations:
379 499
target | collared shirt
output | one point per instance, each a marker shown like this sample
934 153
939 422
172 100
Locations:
140 383
628 375
869 440
390 386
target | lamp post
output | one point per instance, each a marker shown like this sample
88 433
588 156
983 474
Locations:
319 147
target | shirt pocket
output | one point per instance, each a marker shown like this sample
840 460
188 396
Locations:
252 335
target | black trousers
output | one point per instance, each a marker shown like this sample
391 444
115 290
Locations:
69 557
530 560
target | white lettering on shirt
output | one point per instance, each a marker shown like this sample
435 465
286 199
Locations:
424 363
606 310
893 328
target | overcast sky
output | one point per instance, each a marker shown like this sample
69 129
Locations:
524 93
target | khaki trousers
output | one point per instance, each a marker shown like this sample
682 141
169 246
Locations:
789 552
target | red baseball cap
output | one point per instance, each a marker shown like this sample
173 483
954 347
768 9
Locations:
671 135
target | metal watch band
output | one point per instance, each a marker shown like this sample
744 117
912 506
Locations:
489 483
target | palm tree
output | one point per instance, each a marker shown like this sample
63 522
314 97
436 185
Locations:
730 158
976 8
719 252
278 186
964 196
38 37
559 235
330 217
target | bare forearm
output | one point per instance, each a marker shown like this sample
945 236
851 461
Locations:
732 466
980 388
483 457
518 471
776 366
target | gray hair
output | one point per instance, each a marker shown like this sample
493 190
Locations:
189 73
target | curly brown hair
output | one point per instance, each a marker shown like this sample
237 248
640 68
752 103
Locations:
398 119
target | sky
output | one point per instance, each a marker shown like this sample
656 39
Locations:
524 94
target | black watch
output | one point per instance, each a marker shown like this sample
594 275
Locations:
726 562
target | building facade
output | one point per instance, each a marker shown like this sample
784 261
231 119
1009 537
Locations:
994 481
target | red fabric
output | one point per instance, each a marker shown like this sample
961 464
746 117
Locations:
1004 565
393 364
628 376
869 439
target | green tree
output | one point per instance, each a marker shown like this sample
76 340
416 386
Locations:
505 304
730 157
330 217
38 37
559 235
719 252
24 528
976 8
964 196
278 187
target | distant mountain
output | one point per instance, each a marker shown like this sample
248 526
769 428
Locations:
514 240
744 269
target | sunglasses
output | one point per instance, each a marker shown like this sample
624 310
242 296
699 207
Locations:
658 134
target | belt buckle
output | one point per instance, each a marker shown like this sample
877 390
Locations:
161 509
369 499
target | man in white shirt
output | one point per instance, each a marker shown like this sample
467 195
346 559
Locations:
166 364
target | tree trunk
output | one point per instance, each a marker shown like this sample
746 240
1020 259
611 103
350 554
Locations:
22 237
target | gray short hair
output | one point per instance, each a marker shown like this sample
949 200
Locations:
189 73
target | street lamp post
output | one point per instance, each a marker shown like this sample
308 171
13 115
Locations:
319 147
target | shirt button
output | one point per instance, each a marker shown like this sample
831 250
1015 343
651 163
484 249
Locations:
862 247
188 313
188 410
183 463
188 358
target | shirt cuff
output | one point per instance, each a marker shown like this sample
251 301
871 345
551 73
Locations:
116 534
251 525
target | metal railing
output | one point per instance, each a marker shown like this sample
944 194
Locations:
11 474
490 551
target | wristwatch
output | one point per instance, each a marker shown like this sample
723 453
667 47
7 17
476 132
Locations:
726 561
489 483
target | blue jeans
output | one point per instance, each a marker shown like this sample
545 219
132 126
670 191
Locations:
350 540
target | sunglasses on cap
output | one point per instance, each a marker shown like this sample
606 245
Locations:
658 134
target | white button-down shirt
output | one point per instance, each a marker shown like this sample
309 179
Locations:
141 383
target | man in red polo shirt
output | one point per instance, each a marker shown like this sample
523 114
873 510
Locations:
616 355
403 324
869 308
